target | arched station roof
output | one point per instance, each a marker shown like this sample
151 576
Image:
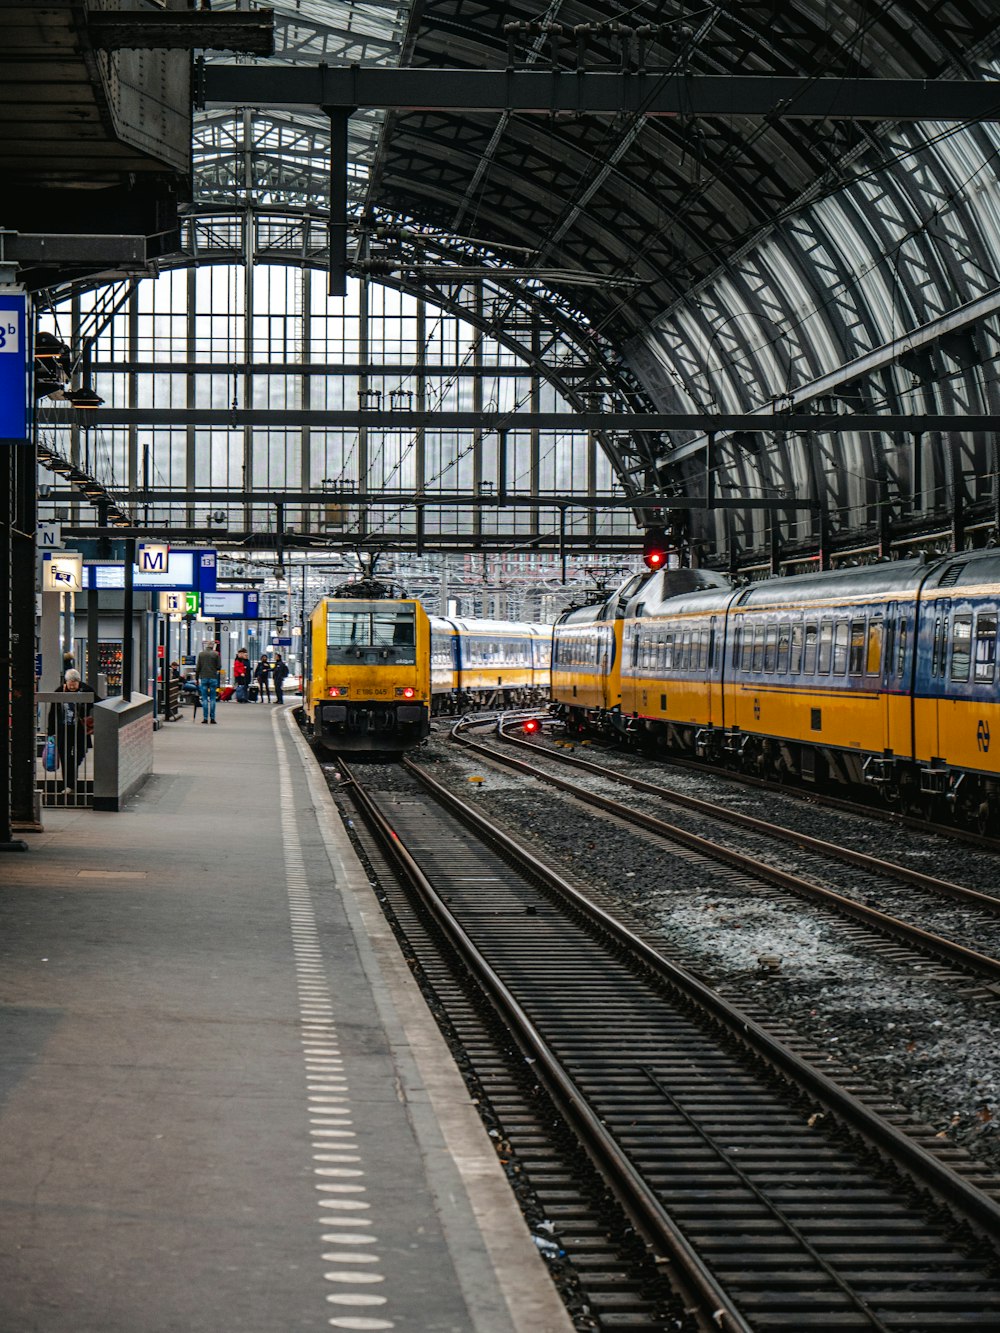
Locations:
691 263
713 264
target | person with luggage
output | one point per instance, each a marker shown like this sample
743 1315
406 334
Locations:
208 669
71 722
241 676
262 675
278 673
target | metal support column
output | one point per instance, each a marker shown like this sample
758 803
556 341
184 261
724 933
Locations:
22 652
128 647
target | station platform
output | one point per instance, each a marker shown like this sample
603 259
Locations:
224 1104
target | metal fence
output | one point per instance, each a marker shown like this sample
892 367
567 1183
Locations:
64 769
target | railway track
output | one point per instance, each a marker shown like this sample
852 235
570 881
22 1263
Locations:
772 1196
888 885
874 810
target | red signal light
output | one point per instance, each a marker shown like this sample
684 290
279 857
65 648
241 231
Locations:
532 724
408 692
655 548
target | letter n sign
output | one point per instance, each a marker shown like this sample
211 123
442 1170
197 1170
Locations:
152 558
14 386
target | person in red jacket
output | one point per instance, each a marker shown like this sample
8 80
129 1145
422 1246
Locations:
242 676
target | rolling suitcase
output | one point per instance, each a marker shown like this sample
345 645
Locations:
253 694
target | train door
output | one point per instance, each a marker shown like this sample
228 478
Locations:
713 674
930 673
898 720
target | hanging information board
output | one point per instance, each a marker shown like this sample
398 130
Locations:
14 383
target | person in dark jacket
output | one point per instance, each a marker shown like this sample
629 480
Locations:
70 722
278 673
262 675
208 670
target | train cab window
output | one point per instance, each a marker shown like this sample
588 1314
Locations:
770 647
961 644
841 638
810 649
986 646
758 647
784 648
856 659
356 625
795 651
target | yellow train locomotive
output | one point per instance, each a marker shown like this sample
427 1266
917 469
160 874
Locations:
369 681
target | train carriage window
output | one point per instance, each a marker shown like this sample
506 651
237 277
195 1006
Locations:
825 647
795 656
841 638
770 647
810 650
901 660
703 649
961 644
748 648
738 645
784 648
873 653
856 659
758 647
685 664
986 646
937 656
890 636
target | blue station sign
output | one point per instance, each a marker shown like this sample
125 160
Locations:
14 365
187 570
233 605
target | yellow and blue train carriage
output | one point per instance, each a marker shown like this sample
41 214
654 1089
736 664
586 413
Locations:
488 663
672 660
586 660
884 674
820 670
956 693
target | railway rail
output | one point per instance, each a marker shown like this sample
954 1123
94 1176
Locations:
774 1197
883 877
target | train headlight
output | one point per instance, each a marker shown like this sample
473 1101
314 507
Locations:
405 692
337 691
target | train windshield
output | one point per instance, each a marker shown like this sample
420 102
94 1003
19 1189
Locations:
372 625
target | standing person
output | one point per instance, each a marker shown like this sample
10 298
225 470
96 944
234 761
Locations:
278 673
241 676
71 723
208 669
262 675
